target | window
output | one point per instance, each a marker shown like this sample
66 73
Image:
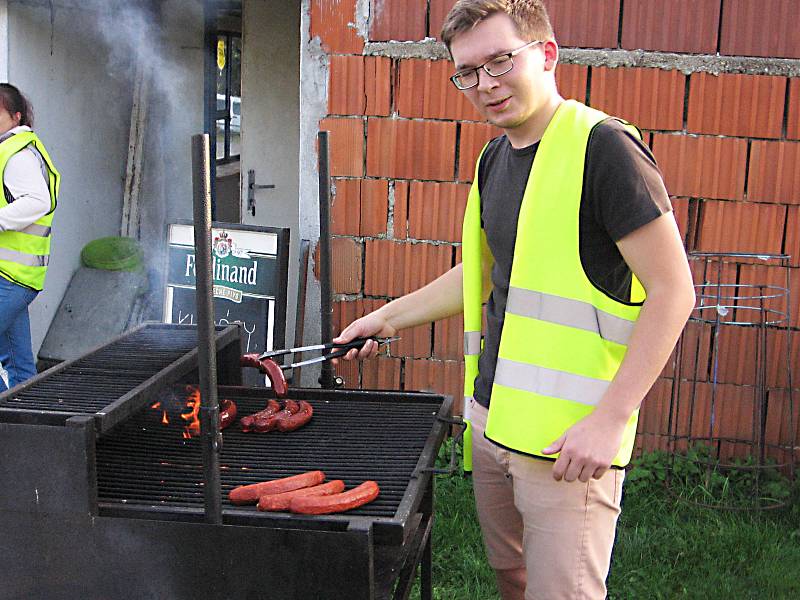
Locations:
229 96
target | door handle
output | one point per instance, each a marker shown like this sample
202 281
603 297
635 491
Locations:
252 186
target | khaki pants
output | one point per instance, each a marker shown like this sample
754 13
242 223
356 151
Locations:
561 533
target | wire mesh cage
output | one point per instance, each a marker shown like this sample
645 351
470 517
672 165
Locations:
732 424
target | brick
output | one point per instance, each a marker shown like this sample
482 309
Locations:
448 338
695 353
739 105
401 20
381 373
378 85
737 349
345 266
345 312
442 377
346 85
702 167
425 91
410 149
400 214
688 26
775 276
438 12
791 245
585 23
348 370
654 417
374 206
415 343
473 137
571 81
436 210
648 98
333 22
760 28
680 210
793 122
774 174
741 227
395 268
346 207
346 146
783 424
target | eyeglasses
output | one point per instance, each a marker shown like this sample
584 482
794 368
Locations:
499 65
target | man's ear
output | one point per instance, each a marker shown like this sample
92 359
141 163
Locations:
550 55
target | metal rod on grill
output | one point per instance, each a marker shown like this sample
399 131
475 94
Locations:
207 364
327 375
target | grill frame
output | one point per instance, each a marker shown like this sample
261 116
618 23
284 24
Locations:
388 530
59 541
228 344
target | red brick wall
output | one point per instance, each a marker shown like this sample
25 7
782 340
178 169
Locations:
404 142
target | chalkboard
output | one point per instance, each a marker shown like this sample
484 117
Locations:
250 267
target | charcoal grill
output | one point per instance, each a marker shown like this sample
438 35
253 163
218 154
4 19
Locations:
109 504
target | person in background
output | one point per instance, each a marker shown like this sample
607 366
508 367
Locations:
30 189
569 237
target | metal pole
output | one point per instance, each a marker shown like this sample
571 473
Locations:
210 91
207 367
326 378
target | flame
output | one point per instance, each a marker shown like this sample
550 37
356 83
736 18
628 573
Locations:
164 418
193 403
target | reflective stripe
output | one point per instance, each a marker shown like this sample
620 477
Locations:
549 382
38 230
27 260
569 312
467 413
472 343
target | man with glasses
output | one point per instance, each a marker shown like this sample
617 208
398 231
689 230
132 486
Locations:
570 240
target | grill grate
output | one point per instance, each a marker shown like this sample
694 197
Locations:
144 463
114 380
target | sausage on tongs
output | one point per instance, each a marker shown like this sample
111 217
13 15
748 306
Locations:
271 369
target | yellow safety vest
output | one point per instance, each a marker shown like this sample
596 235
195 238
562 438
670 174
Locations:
563 339
25 254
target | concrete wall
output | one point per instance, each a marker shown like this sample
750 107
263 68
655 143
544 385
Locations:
175 113
77 63
82 113
271 124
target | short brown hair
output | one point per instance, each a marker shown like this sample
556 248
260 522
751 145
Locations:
530 17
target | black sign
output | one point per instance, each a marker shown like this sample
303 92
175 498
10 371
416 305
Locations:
250 273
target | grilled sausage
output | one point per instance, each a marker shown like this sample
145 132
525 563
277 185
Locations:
276 502
323 505
297 420
292 406
249 494
271 369
269 423
227 413
248 423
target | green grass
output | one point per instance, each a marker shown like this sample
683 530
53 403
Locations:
665 548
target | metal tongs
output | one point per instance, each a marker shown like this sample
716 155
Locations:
339 350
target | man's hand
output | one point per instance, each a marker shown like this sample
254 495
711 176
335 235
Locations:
372 324
587 448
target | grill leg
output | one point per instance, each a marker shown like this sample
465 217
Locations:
426 579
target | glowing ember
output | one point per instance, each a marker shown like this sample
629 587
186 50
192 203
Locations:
193 403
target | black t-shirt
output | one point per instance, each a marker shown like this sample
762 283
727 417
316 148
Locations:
622 190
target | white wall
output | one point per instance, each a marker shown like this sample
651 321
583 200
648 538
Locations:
175 113
82 113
